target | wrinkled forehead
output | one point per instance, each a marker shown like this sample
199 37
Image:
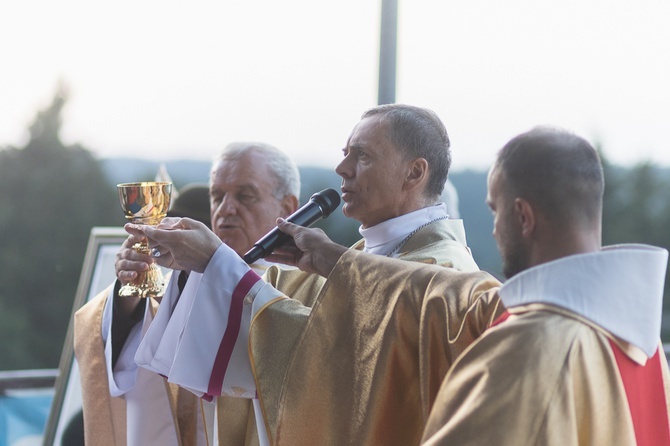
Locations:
366 129
250 169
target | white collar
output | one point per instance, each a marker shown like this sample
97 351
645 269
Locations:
620 288
384 237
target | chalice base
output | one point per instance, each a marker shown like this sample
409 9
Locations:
149 283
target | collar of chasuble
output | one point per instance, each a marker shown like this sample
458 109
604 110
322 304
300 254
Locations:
619 288
384 237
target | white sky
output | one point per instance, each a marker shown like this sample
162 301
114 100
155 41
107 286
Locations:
175 79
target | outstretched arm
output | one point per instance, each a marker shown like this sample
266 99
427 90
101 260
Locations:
179 243
312 251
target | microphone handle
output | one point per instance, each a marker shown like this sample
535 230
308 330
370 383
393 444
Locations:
277 238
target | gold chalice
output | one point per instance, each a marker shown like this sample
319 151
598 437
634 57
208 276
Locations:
145 203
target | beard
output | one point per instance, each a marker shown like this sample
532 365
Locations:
512 266
514 255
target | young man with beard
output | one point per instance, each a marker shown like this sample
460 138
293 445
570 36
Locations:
576 358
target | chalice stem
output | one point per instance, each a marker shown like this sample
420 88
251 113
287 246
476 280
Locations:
149 283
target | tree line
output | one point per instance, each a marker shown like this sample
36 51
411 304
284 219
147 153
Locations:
51 195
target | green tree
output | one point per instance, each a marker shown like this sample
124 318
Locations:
51 195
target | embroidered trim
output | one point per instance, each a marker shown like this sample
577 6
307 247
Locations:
406 239
231 333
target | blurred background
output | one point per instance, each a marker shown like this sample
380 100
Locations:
95 94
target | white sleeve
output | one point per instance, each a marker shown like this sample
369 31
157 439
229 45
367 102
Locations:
157 349
201 344
124 375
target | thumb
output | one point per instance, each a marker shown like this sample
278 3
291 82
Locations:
287 227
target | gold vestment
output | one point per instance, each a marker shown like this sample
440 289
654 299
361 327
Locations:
365 364
571 392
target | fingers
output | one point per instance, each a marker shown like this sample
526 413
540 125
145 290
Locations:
163 231
134 230
128 252
129 261
126 277
178 243
170 223
132 240
127 270
144 232
287 255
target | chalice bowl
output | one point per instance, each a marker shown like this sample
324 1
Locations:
145 203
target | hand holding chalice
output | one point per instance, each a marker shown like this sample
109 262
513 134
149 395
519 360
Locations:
145 203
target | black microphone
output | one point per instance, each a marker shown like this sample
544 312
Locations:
320 205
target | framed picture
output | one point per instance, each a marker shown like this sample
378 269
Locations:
97 274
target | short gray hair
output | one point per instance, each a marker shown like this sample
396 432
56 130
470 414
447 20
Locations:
285 170
418 133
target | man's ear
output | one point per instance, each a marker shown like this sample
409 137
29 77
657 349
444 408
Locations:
417 174
289 204
526 216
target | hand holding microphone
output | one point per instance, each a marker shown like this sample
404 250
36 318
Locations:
320 205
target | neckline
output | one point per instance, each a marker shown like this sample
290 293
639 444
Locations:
406 239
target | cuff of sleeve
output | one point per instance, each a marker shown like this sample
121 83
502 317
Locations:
225 270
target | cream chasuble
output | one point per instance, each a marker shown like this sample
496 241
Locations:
403 347
105 416
576 362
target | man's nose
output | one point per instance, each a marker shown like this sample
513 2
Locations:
344 168
227 206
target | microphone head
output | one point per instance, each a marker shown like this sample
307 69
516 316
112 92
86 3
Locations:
328 200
